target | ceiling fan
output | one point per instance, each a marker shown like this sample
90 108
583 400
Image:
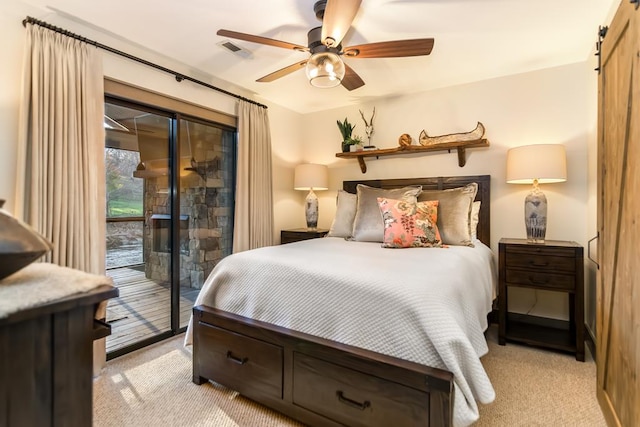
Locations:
324 67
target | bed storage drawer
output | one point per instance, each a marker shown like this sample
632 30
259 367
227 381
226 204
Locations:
353 398
245 364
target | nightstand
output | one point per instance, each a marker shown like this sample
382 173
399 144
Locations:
552 266
297 234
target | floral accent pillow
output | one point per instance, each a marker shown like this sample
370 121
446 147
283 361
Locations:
409 224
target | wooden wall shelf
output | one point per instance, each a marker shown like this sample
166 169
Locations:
460 146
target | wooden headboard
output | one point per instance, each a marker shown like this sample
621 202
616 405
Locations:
443 183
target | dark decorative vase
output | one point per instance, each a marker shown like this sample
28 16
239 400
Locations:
345 147
20 245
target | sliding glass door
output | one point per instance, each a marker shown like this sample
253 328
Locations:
206 204
162 244
137 152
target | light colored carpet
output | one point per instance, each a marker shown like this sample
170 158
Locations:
152 387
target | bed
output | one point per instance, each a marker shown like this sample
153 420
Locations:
324 351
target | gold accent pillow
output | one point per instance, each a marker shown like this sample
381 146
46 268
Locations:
368 225
475 218
454 213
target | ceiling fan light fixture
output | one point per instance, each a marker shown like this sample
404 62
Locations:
325 69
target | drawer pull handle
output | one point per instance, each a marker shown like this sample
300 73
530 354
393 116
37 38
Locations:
538 264
352 403
545 281
237 360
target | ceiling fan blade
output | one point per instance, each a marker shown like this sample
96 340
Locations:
393 49
261 40
338 16
282 72
351 79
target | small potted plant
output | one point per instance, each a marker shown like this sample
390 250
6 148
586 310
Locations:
355 143
346 129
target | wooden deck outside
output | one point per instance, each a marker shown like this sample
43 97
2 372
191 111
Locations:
143 308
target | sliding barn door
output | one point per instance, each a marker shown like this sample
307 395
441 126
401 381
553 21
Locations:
618 303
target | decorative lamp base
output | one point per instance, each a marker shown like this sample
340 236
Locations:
311 210
535 215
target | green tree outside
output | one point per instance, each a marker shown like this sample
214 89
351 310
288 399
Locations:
124 192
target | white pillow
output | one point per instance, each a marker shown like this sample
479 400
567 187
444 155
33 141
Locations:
342 225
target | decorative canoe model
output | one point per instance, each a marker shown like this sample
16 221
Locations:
473 135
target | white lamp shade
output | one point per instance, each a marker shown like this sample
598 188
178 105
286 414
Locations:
545 162
310 175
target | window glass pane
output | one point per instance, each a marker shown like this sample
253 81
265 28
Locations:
124 191
138 223
124 200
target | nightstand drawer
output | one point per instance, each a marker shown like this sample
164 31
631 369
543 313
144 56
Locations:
532 249
543 262
540 280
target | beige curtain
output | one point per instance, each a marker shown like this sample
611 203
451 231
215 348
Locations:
60 184
253 223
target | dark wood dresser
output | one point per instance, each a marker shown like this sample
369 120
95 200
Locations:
46 361
552 266
297 234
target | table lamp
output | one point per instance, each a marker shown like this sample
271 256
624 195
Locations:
311 177
536 164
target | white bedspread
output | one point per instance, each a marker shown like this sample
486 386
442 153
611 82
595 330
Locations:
425 305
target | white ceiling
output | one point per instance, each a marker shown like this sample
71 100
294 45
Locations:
474 40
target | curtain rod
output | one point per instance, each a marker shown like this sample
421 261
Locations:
179 76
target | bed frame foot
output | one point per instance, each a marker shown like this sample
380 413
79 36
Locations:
199 380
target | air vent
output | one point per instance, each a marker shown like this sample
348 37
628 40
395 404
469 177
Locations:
235 49
232 47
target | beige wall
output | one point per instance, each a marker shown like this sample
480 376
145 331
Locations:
548 106
552 106
12 45
592 220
